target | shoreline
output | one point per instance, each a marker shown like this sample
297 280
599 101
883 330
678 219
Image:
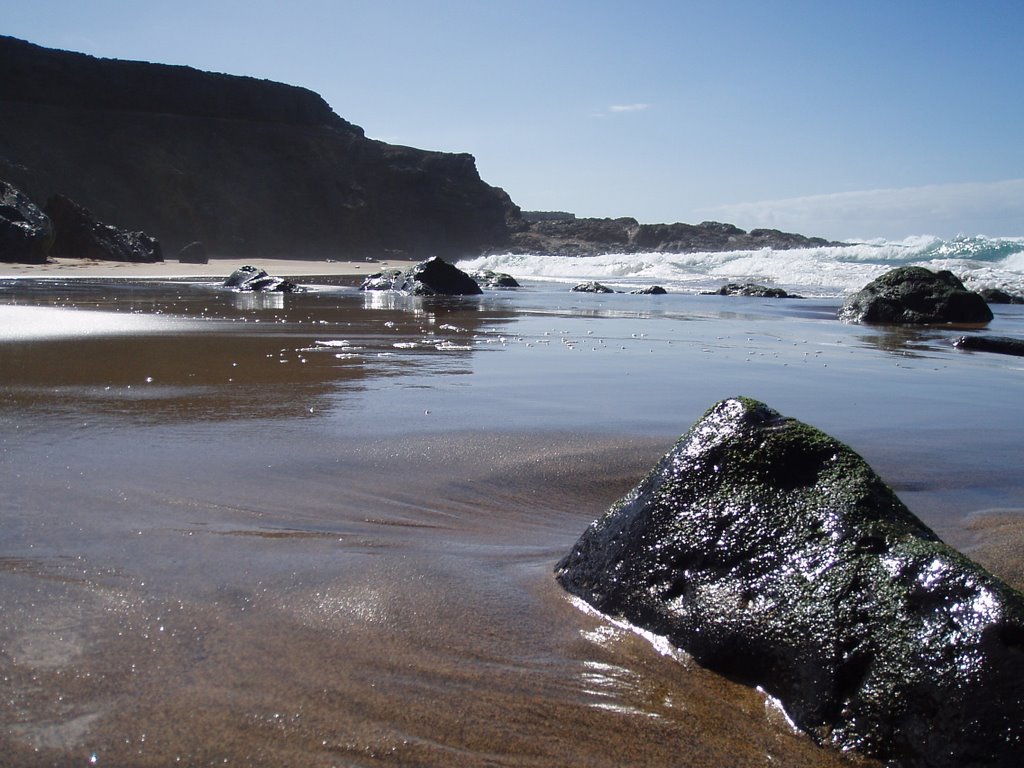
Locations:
304 528
216 267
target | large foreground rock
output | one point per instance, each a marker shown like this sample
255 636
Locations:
81 236
433 277
773 554
915 295
25 231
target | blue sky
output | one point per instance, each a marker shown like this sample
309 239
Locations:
841 119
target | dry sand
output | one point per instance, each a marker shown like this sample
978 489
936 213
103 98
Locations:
217 267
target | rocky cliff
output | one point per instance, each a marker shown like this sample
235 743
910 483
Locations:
255 168
565 235
249 167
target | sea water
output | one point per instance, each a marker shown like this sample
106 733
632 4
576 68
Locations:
981 262
319 529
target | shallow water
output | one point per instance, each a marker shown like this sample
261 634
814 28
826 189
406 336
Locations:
319 529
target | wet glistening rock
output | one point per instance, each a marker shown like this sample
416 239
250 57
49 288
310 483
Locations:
774 555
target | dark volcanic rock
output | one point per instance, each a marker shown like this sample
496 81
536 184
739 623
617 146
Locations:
249 278
490 279
249 167
388 280
193 253
79 235
1002 345
591 287
651 290
25 231
752 289
773 554
569 236
915 295
254 167
428 278
996 296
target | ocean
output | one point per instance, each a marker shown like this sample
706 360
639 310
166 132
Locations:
981 262
319 529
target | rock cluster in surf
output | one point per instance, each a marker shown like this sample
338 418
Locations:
431 277
773 554
591 286
752 289
488 278
248 278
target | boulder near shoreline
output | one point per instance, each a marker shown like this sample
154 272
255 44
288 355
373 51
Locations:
773 554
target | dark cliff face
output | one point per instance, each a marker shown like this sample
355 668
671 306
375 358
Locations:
43 76
248 167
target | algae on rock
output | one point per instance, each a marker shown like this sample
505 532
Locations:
774 554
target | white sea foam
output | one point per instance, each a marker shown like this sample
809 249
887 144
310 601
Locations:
982 262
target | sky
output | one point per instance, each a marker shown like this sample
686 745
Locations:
832 118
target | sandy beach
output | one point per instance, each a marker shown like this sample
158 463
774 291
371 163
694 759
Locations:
292 521
319 529
216 267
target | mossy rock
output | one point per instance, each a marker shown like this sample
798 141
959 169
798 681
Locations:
774 554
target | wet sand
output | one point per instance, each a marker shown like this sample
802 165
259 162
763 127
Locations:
319 529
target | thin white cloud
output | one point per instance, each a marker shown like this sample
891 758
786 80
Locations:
628 107
992 208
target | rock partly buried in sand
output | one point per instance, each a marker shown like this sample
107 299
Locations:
193 253
249 278
774 555
80 236
433 277
752 289
915 295
489 279
1003 345
591 287
25 231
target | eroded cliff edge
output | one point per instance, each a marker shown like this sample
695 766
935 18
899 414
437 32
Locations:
249 167
256 168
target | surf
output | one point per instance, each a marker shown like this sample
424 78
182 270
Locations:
981 262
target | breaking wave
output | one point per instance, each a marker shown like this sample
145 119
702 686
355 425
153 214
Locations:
981 262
